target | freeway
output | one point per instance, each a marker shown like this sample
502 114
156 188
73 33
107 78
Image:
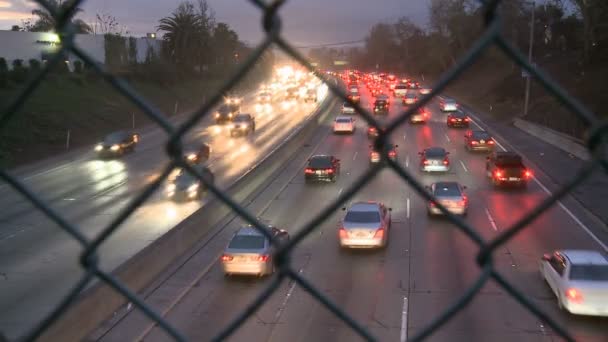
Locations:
394 292
39 262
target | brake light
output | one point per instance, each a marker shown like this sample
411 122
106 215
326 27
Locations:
463 202
392 153
309 170
574 295
226 257
432 204
379 233
342 233
374 154
467 119
473 142
490 142
528 174
263 258
452 119
372 129
425 162
498 173
446 161
330 170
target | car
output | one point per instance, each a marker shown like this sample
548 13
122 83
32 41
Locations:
344 124
365 225
421 115
310 96
400 90
264 97
374 154
226 112
373 132
425 90
383 97
117 144
197 154
413 85
250 252
187 187
410 98
354 95
242 124
579 280
449 194
458 119
347 108
478 140
322 167
434 159
380 106
505 168
448 105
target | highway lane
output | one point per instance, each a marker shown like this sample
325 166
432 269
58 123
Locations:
39 262
395 292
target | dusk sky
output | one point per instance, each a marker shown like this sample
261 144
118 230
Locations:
306 22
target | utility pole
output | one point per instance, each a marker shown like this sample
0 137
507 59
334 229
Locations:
527 96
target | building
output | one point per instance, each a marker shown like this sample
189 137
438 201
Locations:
40 45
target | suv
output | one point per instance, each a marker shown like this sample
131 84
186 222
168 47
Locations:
507 168
242 124
226 113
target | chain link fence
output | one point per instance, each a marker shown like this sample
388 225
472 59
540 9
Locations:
271 23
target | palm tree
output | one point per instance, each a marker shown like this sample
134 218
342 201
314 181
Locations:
46 22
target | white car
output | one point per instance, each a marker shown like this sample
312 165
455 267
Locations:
347 108
579 280
400 90
344 124
366 225
448 105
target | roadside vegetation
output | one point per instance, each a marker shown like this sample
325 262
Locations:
197 54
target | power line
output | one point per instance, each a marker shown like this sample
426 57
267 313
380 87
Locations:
331 44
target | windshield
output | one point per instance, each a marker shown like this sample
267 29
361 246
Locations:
242 118
115 138
410 95
345 120
247 242
362 216
348 105
435 153
481 136
589 272
320 162
380 103
447 190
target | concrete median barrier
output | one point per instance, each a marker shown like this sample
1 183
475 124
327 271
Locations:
96 304
562 141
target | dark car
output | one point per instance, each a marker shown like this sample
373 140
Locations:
117 144
374 154
197 154
186 186
226 112
458 119
477 140
507 168
322 167
373 132
380 106
243 124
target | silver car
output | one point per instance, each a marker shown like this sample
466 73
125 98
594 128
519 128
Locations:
366 225
250 252
347 108
451 195
579 280
434 159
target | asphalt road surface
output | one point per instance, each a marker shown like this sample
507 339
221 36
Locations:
394 292
39 262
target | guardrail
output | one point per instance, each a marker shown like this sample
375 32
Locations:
97 303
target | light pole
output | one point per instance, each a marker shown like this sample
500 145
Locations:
527 96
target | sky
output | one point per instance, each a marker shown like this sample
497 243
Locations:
305 22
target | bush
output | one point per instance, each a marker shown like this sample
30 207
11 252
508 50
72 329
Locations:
78 67
17 63
3 73
19 74
34 65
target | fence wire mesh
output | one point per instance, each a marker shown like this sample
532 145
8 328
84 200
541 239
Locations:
272 26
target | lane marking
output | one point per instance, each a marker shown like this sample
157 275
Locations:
340 191
355 156
407 161
559 203
407 206
491 219
404 136
403 335
447 138
463 166
277 316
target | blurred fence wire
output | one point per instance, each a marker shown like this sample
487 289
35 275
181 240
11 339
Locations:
271 23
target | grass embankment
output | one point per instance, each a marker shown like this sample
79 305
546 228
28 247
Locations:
89 109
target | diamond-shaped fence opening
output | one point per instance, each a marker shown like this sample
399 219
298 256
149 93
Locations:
272 25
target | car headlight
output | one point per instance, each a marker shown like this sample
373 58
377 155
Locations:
230 115
170 187
193 187
217 115
115 148
191 157
98 148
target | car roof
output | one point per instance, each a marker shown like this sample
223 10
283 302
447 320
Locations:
585 257
365 206
249 230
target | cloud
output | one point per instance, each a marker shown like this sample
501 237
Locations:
5 4
14 15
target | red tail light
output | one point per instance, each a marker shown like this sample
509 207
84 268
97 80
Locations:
226 257
263 258
309 170
379 233
452 119
467 119
490 142
528 174
574 295
498 173
446 161
473 142
432 204
330 170
463 202
374 154
392 153
342 233
425 162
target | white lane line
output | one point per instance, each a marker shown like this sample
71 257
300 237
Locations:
340 191
403 336
463 166
355 156
573 217
404 136
407 161
491 219
407 208
447 138
277 316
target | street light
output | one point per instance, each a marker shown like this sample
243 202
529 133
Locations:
527 96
